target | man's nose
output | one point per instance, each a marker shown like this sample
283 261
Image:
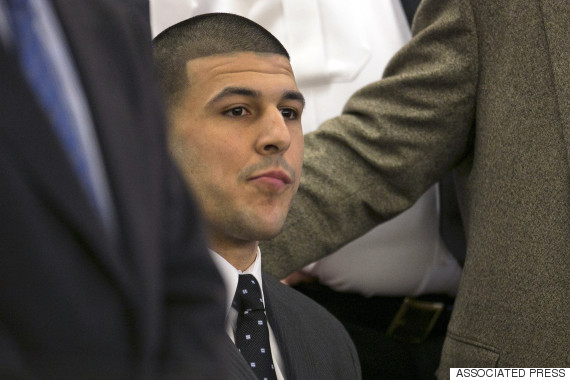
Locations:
275 136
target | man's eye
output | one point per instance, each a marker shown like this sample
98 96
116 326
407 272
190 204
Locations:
236 112
289 114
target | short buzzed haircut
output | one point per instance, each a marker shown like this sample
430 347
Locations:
203 36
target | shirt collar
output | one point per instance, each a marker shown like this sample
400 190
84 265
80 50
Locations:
230 275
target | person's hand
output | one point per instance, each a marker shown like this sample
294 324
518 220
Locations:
298 277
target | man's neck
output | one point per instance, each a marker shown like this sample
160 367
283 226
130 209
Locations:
241 256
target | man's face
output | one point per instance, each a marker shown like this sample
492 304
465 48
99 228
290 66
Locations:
238 138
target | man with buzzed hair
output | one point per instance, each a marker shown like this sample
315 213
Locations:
235 115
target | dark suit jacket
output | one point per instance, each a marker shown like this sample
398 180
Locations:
483 88
314 345
75 303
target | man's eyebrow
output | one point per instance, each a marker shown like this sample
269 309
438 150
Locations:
244 91
294 95
231 91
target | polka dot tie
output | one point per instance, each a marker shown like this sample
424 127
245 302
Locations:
252 334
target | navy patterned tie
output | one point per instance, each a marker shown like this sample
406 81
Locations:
252 334
38 68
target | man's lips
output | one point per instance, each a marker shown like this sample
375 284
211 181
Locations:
275 179
276 174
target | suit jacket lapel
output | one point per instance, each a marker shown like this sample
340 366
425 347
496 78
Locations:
556 15
113 105
132 141
282 328
237 364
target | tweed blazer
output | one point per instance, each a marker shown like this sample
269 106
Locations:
483 89
313 344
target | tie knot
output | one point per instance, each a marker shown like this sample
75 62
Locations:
248 294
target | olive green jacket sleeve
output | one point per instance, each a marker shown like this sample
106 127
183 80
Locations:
394 139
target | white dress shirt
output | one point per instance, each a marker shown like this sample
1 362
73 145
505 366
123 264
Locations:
230 275
336 48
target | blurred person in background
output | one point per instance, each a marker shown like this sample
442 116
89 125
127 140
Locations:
104 270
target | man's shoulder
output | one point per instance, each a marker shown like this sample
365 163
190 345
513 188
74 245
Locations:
296 318
285 299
